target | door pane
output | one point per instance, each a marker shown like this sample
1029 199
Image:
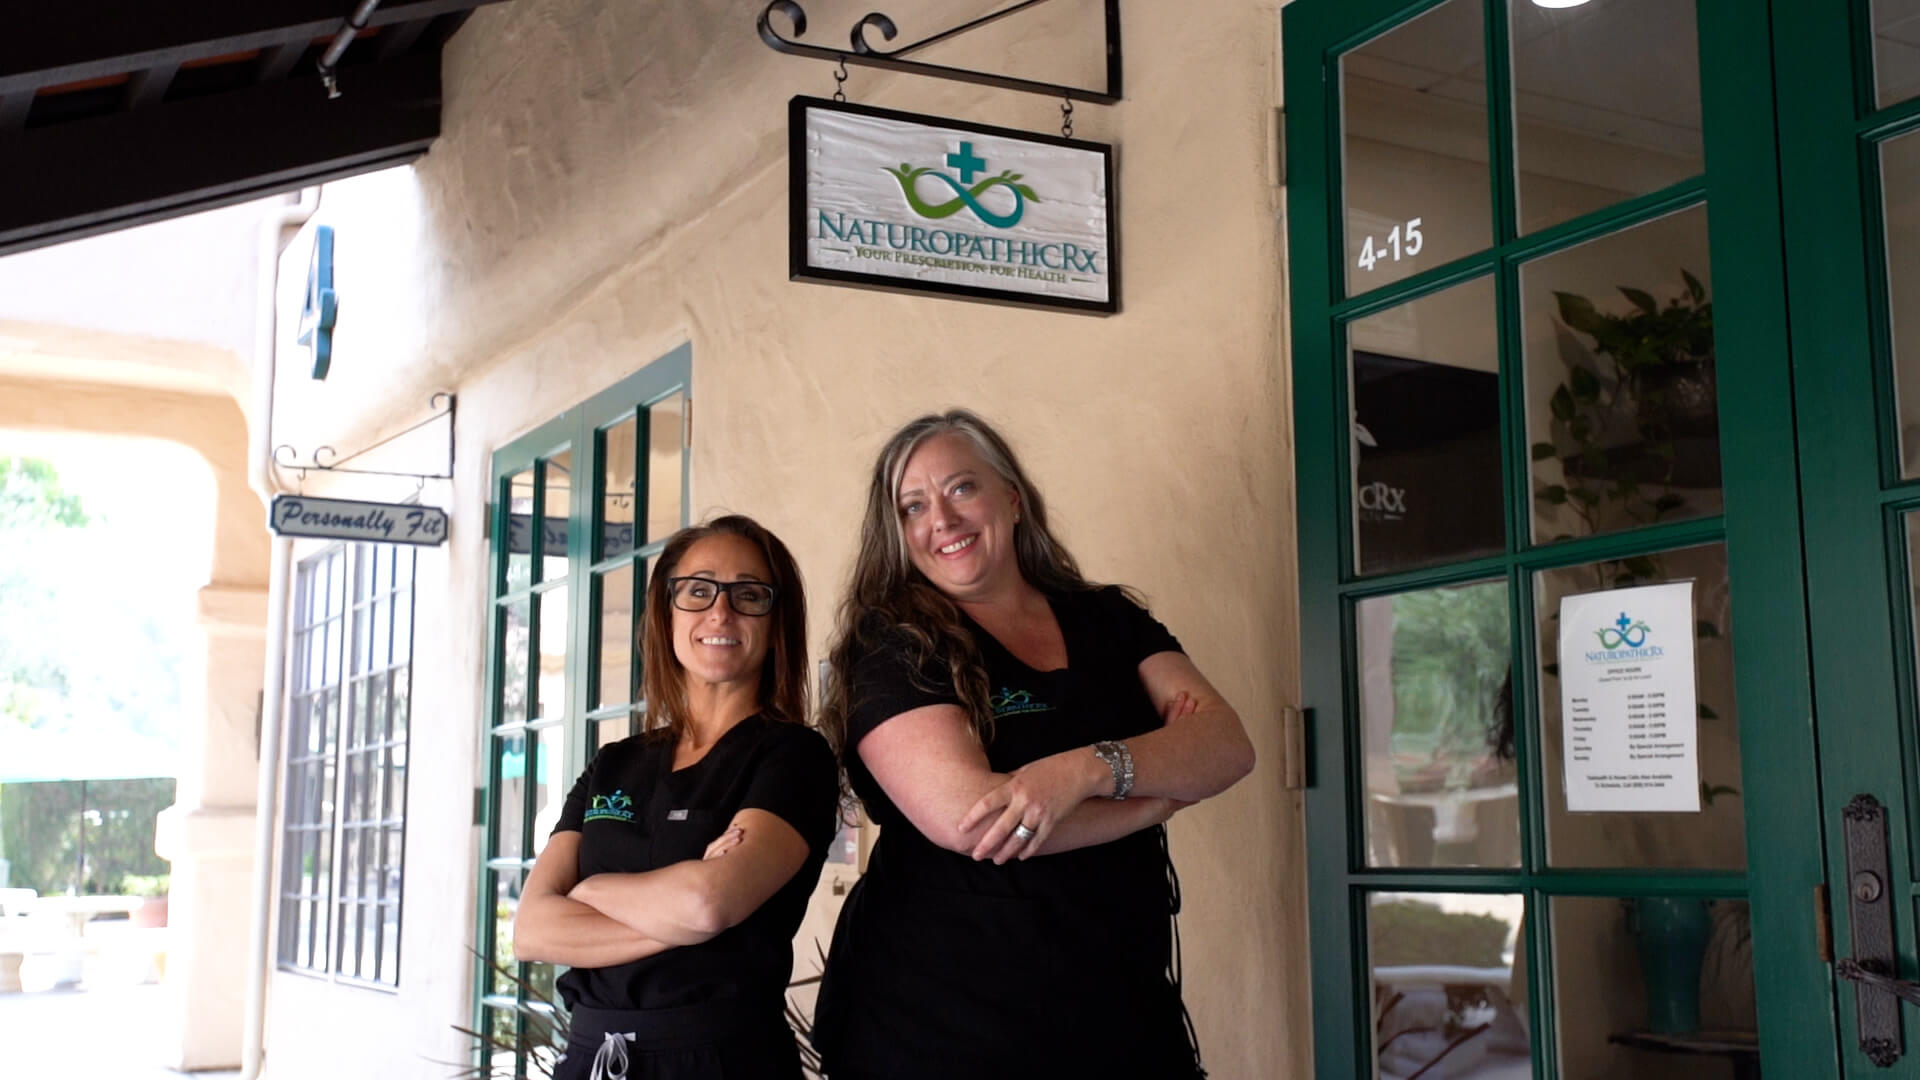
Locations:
1436 713
1622 396
552 679
513 662
510 813
1896 50
1449 986
522 531
506 902
618 490
614 663
1426 434
1606 100
665 424
1710 838
559 496
1414 128
1900 192
1653 987
550 783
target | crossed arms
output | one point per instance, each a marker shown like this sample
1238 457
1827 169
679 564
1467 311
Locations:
610 919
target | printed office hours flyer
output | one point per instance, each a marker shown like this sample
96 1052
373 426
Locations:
1627 700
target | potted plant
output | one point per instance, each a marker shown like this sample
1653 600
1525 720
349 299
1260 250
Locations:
152 889
1635 423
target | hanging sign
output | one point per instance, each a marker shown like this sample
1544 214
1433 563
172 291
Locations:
351 519
897 200
1627 700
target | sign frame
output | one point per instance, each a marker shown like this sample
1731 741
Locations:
424 536
799 268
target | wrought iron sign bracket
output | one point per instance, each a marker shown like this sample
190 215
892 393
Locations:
326 459
863 53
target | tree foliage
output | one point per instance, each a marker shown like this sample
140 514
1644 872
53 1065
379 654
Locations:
34 508
69 837
31 497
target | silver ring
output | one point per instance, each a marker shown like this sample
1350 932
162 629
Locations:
1022 831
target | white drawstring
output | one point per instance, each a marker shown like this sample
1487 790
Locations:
610 1063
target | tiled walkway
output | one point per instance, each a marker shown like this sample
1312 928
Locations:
118 1031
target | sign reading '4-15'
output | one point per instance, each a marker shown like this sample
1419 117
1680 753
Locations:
897 200
1404 240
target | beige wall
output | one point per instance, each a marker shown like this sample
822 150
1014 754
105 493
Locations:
611 183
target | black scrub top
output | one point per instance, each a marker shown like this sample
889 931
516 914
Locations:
634 813
944 968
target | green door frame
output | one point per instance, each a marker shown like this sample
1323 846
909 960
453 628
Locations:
1861 612
1761 528
579 430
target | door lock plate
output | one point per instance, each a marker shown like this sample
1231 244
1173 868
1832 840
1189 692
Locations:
1870 918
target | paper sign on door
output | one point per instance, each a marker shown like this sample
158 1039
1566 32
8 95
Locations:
1627 700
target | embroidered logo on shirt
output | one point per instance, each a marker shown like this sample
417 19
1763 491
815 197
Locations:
614 807
1014 702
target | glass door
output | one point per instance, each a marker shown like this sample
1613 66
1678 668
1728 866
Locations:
1849 77
1552 611
580 508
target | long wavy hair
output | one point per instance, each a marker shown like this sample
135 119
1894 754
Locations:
888 597
783 677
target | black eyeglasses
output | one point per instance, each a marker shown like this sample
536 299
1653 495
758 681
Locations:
699 593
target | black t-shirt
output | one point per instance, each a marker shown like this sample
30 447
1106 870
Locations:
634 813
943 967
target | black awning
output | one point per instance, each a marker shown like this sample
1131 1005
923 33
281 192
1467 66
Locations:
119 112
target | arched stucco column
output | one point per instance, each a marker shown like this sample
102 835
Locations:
208 832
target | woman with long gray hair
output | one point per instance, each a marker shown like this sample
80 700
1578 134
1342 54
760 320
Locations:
1021 735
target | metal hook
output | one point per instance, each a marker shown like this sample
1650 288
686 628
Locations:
1066 116
840 80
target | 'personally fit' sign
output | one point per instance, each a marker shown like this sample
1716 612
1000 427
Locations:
350 519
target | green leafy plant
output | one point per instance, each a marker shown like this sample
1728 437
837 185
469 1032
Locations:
1413 932
1618 421
535 1031
149 885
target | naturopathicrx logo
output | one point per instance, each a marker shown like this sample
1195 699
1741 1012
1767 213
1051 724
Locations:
966 191
1014 702
614 807
1625 639
889 233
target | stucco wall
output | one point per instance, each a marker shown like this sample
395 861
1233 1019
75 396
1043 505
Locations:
611 183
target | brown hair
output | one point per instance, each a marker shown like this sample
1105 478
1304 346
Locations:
888 595
783 678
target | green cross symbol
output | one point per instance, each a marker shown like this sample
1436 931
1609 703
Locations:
966 162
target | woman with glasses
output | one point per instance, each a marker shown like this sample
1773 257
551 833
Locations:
1021 734
684 856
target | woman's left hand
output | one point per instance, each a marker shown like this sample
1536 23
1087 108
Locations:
1041 792
1037 795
